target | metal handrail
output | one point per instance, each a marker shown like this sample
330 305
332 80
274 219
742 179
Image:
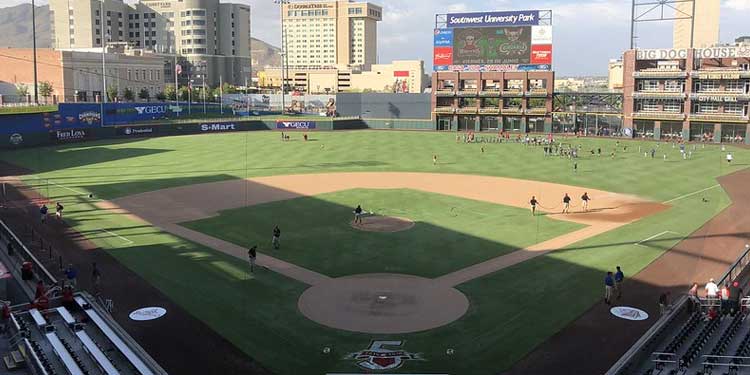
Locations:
52 279
740 264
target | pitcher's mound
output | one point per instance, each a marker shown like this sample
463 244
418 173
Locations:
383 224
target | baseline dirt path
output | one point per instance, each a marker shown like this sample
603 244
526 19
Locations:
168 207
381 303
706 253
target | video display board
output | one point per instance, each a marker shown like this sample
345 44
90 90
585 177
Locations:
493 41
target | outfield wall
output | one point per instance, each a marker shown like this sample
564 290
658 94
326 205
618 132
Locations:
384 106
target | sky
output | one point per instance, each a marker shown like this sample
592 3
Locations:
586 35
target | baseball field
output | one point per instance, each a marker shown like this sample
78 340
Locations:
448 273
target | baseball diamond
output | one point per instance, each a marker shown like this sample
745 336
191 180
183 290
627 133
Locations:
468 280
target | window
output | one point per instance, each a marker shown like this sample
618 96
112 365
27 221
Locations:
649 85
709 86
199 22
98 32
137 34
673 86
130 16
199 13
96 22
137 15
137 25
733 108
137 75
708 108
650 106
97 13
200 50
129 75
734 86
673 106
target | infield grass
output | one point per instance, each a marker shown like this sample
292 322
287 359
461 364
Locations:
511 311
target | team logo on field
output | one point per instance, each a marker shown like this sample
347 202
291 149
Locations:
383 355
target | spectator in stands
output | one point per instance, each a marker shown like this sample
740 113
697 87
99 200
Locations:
712 291
72 275
27 271
712 314
5 316
619 278
40 289
724 291
735 294
10 248
67 298
609 285
693 301
663 303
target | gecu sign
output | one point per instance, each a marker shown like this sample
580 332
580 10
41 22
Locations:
152 110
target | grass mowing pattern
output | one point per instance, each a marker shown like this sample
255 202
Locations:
511 311
450 233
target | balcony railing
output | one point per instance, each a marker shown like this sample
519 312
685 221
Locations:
489 111
445 92
536 111
467 110
659 94
513 111
513 92
467 92
660 73
657 115
537 93
719 116
445 110
490 92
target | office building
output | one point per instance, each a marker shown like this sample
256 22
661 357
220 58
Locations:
331 33
212 39
698 94
615 75
706 18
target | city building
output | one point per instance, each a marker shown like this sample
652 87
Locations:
706 19
211 39
692 94
401 76
615 75
77 76
330 33
493 101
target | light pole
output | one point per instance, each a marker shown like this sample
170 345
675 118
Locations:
104 64
283 51
33 32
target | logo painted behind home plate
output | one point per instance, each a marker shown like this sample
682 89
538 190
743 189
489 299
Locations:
379 357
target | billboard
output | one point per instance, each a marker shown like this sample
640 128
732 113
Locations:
493 41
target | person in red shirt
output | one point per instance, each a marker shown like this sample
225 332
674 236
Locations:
40 289
712 314
67 298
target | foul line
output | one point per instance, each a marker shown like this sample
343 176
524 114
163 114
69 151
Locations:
691 194
652 237
127 241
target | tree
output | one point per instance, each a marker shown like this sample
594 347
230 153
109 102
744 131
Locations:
184 94
144 94
128 95
160 96
45 89
22 90
170 92
229 89
112 93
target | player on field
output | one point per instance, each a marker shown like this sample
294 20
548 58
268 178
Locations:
358 215
566 204
276 242
585 198
533 203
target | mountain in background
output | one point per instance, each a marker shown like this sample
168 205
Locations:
15 32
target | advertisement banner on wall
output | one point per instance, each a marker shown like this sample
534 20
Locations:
541 54
443 56
280 124
484 19
71 135
137 131
219 127
541 34
494 68
443 38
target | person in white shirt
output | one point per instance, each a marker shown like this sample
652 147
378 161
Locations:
712 291
729 157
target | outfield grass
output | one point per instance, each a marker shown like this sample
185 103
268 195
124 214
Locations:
511 311
450 233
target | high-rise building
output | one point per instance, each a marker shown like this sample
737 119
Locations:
706 18
212 39
331 33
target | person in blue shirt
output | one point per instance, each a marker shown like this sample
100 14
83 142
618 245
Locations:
619 277
609 285
72 275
